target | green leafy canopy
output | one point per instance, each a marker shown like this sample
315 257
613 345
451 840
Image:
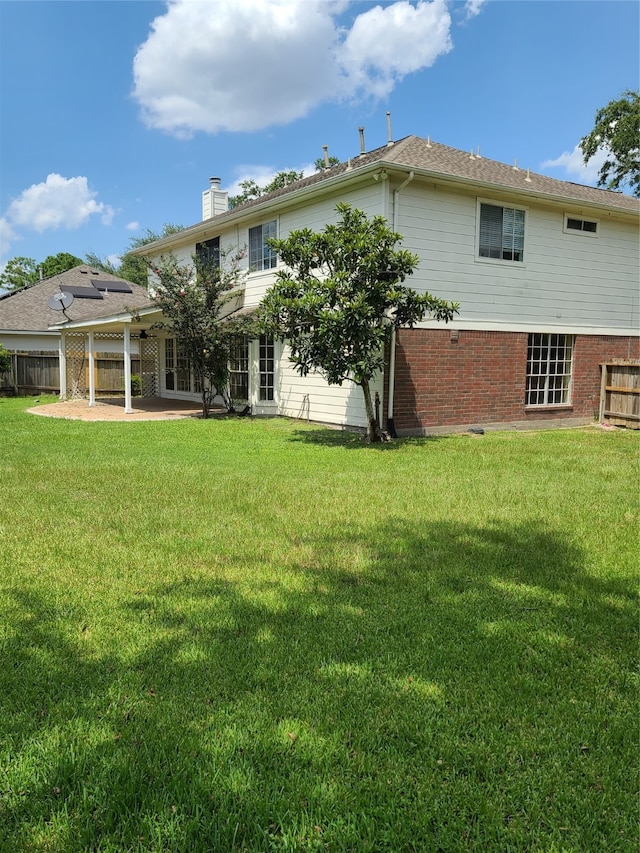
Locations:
617 132
20 272
195 302
341 294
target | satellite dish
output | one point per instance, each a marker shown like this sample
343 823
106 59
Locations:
60 301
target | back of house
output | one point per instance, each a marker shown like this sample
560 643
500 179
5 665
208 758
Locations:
545 272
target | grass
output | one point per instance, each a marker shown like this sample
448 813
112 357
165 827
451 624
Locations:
257 635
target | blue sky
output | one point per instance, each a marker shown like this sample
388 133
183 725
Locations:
115 114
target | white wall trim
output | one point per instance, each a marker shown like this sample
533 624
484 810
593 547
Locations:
561 328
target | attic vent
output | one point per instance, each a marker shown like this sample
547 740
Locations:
572 224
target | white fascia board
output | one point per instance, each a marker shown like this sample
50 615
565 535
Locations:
491 326
114 319
499 191
30 332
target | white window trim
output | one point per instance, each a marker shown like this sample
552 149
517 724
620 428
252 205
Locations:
580 233
261 270
257 405
545 404
499 261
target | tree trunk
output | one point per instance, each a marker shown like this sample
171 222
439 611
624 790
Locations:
373 427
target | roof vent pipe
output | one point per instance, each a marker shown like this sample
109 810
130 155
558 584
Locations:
389 136
214 183
362 148
327 163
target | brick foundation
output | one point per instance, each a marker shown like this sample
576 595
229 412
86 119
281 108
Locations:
481 378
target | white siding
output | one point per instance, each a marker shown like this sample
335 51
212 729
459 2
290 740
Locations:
311 397
315 215
25 342
569 280
573 280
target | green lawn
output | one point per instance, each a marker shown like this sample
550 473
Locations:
257 635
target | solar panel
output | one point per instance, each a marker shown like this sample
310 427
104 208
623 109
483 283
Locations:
112 286
82 292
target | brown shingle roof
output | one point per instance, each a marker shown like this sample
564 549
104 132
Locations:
420 154
430 159
27 310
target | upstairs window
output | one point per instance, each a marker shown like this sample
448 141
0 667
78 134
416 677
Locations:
261 255
584 226
501 233
208 252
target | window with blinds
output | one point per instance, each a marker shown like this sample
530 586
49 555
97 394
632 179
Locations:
501 233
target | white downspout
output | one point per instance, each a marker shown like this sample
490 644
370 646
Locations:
127 369
62 365
392 345
92 375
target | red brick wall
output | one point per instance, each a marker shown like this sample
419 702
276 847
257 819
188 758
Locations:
481 378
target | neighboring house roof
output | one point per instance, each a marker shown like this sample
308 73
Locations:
27 310
429 159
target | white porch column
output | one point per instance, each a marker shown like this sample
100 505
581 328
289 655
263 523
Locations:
62 365
92 373
128 410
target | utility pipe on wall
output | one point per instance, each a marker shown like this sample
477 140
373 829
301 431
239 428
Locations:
392 345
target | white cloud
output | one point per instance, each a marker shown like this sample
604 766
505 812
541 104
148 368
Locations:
116 260
243 65
132 226
474 7
573 164
7 237
57 203
386 44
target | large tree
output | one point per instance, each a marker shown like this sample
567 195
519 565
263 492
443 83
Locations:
340 296
21 272
194 299
251 189
133 267
617 133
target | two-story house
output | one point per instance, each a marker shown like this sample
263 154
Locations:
545 271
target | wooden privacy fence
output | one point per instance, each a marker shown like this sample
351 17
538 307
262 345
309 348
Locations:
110 372
620 393
36 372
31 372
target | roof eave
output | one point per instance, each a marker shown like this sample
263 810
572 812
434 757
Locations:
234 215
111 320
529 192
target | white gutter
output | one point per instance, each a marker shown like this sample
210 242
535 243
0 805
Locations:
392 344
